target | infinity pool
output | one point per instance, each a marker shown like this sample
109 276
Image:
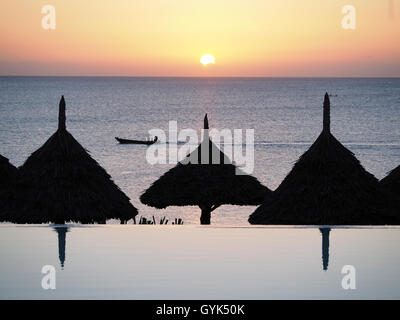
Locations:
197 262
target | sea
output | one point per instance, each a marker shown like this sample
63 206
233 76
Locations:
285 114
229 259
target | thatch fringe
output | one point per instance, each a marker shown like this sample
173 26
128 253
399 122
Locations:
390 187
8 177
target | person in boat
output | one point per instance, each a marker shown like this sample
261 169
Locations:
147 141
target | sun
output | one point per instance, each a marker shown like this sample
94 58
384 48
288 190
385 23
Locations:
207 59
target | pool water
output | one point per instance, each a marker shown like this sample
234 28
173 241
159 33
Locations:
199 262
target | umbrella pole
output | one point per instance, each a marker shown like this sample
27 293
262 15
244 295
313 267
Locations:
205 217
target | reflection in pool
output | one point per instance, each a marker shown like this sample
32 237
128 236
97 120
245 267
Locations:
61 232
325 247
198 262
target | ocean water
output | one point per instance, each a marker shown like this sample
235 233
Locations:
153 262
286 116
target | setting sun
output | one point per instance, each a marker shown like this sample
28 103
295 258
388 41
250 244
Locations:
207 59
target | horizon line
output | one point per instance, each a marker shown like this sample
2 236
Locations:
205 77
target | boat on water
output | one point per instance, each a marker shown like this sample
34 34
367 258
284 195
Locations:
128 141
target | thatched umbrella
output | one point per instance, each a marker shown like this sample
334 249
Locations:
60 182
327 185
206 178
8 177
390 187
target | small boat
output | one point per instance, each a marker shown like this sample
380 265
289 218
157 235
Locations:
128 141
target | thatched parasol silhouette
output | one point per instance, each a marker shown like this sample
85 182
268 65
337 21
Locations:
390 187
207 179
327 185
8 176
61 182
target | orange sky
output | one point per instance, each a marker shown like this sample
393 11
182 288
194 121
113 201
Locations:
167 38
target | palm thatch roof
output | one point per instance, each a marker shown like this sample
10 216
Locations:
391 182
8 173
390 187
61 182
8 176
206 178
327 185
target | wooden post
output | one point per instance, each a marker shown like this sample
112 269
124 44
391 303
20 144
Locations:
205 217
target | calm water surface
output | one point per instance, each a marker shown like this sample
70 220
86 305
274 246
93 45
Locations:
197 262
286 115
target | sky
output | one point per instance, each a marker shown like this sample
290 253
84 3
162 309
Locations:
252 38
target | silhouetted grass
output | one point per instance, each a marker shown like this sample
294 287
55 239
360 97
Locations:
163 220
